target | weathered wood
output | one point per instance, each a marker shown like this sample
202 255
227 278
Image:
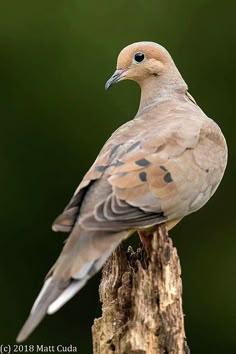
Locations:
141 295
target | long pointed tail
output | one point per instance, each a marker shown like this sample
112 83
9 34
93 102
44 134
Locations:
73 269
50 291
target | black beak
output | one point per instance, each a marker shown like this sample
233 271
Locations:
114 78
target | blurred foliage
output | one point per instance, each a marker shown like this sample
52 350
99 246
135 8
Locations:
55 57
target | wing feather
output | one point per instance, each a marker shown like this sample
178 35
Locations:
142 178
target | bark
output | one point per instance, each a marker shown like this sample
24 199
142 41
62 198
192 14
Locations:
141 295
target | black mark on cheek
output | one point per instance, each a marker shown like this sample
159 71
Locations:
143 176
168 178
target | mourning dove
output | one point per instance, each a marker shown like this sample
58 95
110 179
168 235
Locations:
157 168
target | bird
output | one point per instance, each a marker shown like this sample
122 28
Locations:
155 169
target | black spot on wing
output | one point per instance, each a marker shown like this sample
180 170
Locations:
168 177
143 176
118 163
114 149
133 146
101 168
163 168
142 162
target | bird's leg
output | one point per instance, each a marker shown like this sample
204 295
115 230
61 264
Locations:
146 235
144 238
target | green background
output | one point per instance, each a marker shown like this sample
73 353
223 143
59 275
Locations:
55 57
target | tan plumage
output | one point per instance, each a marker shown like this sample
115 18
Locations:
159 167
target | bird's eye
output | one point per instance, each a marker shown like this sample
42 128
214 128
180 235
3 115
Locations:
138 57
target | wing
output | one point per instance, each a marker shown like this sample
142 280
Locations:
142 184
142 179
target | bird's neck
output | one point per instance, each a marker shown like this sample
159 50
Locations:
155 89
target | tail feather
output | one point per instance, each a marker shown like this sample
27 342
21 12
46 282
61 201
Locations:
52 296
79 280
50 291
67 294
78 262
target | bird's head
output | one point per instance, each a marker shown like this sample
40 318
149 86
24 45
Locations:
140 61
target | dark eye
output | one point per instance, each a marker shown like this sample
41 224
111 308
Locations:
138 57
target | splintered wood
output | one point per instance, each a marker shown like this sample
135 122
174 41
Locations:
141 296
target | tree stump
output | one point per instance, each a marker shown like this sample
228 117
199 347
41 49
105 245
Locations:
141 296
